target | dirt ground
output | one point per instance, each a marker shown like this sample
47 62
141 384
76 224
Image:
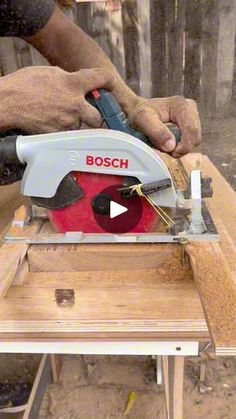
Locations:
96 387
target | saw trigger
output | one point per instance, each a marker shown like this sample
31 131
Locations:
115 118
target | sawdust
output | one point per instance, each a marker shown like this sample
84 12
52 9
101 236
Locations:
217 291
176 268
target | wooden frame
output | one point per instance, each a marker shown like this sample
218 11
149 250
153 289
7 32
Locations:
121 293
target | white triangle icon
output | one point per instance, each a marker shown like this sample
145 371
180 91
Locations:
116 209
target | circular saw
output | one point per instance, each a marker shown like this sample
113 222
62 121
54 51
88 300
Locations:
97 180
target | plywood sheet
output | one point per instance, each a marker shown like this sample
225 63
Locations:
146 304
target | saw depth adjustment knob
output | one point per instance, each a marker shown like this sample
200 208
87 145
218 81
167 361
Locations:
101 204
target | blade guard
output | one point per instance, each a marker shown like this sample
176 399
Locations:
50 157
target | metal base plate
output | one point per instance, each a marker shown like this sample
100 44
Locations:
210 235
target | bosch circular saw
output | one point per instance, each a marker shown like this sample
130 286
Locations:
79 175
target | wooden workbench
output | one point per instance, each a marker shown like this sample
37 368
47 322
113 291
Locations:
126 298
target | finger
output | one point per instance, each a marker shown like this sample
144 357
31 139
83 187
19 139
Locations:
185 114
95 78
146 119
89 114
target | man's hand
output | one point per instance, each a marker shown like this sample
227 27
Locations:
49 99
66 45
149 116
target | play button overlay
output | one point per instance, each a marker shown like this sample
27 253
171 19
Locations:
116 209
115 214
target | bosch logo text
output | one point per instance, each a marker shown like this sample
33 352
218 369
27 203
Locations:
116 163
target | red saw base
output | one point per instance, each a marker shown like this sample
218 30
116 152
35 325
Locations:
80 215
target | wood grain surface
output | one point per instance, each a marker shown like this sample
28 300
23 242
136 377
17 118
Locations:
217 291
214 265
99 257
12 256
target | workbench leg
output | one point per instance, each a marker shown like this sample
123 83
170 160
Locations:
173 377
56 365
159 372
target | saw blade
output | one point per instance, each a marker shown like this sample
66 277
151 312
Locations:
82 215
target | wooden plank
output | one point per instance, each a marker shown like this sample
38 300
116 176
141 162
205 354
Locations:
192 69
36 57
13 254
175 33
173 375
8 56
158 22
143 9
100 26
131 43
42 379
104 257
89 1
139 303
98 306
83 16
11 258
56 365
21 274
234 81
210 28
10 200
94 19
116 36
23 55
217 291
180 335
225 59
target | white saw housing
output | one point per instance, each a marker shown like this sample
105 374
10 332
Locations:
50 157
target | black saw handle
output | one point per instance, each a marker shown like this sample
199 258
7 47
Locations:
11 169
115 118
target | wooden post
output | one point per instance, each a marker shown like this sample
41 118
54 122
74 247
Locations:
100 24
8 58
210 29
175 34
56 366
37 58
42 380
83 16
144 47
23 56
225 54
158 16
131 43
94 19
192 70
234 81
173 374
116 37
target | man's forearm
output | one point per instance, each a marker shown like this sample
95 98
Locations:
67 46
